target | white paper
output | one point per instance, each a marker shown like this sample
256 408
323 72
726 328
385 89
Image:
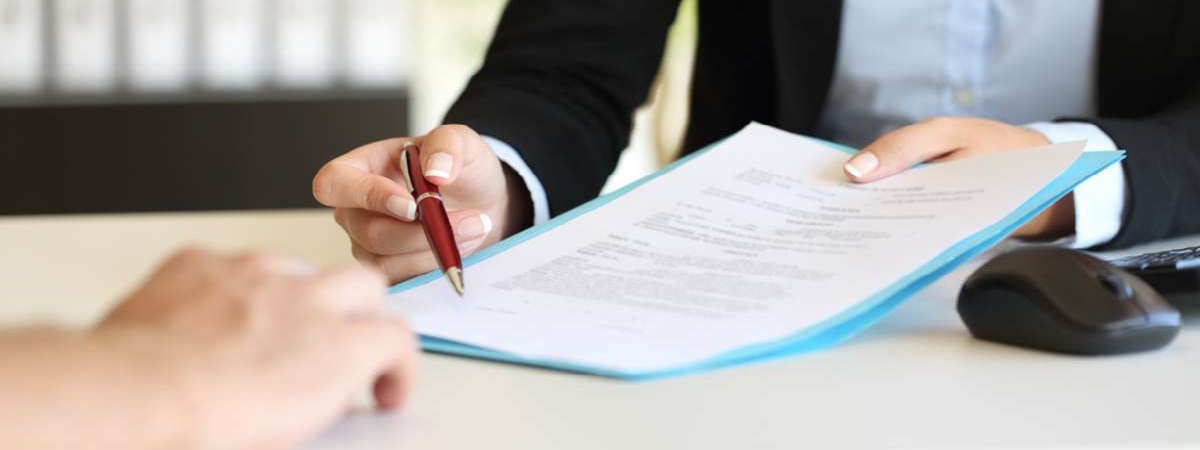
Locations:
304 43
85 37
20 46
233 44
158 45
752 241
378 50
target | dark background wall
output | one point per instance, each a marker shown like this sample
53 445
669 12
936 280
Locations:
181 156
180 105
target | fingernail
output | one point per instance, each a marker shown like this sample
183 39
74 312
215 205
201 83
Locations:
861 164
402 208
474 227
438 166
465 248
300 268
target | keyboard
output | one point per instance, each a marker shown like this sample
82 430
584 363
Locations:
1180 258
1175 274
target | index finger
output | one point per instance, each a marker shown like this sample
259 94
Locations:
361 179
386 351
352 290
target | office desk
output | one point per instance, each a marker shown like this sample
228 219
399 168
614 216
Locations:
916 380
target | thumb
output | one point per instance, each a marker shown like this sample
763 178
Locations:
897 151
461 163
446 150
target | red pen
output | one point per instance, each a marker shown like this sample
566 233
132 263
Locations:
432 215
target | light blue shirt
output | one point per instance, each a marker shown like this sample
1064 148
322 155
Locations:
1014 61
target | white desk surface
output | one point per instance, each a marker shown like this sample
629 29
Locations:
916 380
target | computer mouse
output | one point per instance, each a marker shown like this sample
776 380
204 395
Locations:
1064 301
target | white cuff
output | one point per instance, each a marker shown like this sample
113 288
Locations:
1099 200
537 193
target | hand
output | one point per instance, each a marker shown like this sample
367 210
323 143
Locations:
484 201
949 138
264 351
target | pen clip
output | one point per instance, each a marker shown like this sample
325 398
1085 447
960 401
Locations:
404 169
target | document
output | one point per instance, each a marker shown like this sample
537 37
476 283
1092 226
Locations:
304 43
86 42
20 46
756 240
158 45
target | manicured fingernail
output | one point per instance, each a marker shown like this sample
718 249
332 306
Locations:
465 248
307 270
438 166
402 208
474 227
299 267
862 164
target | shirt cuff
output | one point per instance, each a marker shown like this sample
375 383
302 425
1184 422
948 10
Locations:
537 192
1099 200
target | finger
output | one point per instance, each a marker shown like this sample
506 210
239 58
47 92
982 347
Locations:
445 150
469 247
390 390
188 269
345 186
352 181
386 353
397 268
188 253
351 290
184 259
269 264
903 148
386 236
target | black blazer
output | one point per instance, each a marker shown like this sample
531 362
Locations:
562 78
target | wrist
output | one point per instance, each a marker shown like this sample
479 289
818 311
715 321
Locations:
518 208
1055 222
169 414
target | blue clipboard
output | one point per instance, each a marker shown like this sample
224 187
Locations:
823 335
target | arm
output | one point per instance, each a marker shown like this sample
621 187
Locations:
1162 171
560 83
555 96
212 352
948 138
1098 203
524 179
63 390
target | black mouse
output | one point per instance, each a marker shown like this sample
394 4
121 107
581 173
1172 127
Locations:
1064 301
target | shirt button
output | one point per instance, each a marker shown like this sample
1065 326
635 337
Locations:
963 97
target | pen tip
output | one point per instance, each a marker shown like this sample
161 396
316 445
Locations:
454 274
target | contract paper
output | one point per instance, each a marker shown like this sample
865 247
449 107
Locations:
757 239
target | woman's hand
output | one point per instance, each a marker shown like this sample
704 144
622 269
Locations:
949 138
485 202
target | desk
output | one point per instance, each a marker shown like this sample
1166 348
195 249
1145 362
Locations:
916 380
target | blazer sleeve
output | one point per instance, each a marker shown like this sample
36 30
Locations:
560 83
1162 171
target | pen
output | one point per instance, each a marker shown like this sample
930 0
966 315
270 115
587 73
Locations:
432 215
